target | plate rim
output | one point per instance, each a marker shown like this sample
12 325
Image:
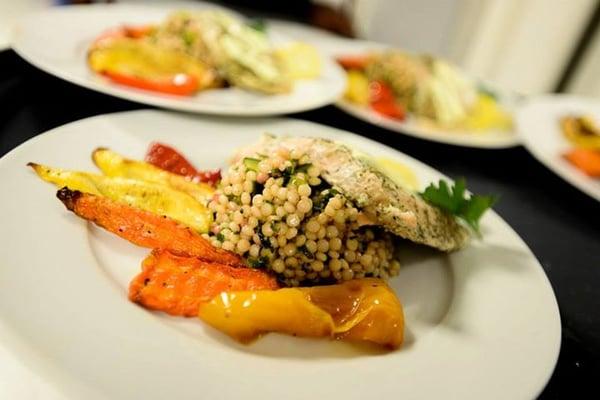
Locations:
24 350
448 138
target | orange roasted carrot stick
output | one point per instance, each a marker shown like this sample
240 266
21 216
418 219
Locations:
144 228
178 285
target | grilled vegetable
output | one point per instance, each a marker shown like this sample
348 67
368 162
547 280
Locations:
144 65
581 131
143 228
587 160
382 101
356 62
178 285
357 87
180 84
125 31
156 198
113 165
169 159
357 310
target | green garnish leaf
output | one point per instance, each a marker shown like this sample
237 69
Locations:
220 237
455 200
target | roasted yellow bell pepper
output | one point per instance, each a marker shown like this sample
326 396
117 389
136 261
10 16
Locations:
357 87
156 198
114 165
141 64
359 310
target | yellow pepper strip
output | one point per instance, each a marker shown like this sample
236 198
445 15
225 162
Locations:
141 59
359 310
156 198
114 165
357 87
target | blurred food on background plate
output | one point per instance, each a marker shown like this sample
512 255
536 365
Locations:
583 133
397 84
193 51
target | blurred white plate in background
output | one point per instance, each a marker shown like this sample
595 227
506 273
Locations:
410 126
337 46
539 128
56 40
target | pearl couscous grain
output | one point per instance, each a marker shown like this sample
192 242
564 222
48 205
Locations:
281 215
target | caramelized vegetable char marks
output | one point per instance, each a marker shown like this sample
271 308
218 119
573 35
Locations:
178 285
143 228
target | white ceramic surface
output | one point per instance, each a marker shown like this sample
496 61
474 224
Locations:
480 323
56 41
538 125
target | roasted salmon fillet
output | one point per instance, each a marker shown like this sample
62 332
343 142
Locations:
384 203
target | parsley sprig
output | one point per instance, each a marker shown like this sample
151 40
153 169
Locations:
456 201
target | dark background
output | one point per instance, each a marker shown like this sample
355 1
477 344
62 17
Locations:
559 223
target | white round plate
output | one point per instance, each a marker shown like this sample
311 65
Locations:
493 139
56 41
538 125
480 323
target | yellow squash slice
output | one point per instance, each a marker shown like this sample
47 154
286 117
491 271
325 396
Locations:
156 198
114 165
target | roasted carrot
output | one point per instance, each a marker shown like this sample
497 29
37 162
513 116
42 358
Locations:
587 160
178 285
143 228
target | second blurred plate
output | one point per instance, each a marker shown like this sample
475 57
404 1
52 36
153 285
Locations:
337 46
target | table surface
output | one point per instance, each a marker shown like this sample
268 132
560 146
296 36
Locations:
560 224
